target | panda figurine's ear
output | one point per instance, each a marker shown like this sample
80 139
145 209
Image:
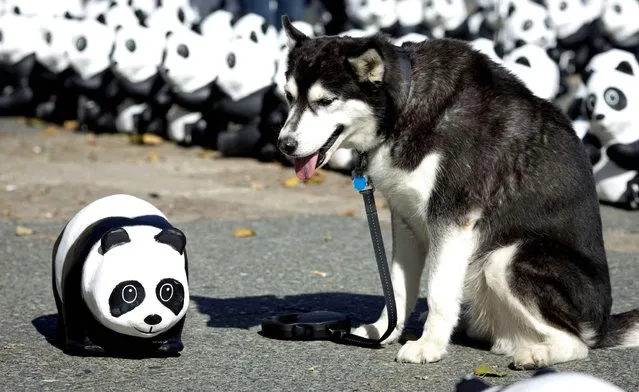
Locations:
168 34
158 3
511 9
113 4
625 67
113 238
101 18
234 19
173 238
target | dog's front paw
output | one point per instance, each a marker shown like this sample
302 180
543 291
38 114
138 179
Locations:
372 331
421 351
532 357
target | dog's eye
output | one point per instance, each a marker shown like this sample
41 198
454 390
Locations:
325 101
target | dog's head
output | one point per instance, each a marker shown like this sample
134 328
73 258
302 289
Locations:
341 92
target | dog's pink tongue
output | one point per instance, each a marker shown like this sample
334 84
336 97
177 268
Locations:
305 167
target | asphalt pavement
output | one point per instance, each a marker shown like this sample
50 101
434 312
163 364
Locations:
292 263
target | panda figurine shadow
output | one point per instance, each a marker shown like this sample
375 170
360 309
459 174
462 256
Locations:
120 281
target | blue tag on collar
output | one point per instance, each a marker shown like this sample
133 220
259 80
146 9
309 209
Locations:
360 183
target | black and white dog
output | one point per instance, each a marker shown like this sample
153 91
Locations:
489 188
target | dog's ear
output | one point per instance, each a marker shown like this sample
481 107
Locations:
369 66
293 35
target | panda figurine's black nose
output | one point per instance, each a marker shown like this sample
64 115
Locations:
153 319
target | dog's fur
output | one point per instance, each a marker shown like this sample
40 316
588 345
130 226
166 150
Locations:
489 188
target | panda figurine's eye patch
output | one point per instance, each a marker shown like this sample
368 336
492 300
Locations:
170 293
589 105
125 297
183 50
615 98
130 45
81 43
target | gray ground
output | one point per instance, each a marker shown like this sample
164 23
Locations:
309 253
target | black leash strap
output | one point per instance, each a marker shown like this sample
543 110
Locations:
364 186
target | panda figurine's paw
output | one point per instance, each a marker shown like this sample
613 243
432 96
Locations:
171 347
625 155
83 347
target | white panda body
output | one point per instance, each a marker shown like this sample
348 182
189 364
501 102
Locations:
121 260
619 19
373 14
410 37
56 35
179 120
487 47
20 38
125 120
526 22
444 15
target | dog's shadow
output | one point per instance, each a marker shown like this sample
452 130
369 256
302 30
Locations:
248 312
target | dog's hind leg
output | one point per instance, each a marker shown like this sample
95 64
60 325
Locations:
450 253
538 303
409 255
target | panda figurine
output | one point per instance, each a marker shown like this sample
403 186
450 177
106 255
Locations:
410 17
605 62
611 104
248 94
120 280
618 23
191 73
118 15
52 101
447 18
410 37
19 41
546 380
487 47
575 24
532 65
136 58
525 22
93 81
376 15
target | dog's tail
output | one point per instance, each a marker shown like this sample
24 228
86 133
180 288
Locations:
623 330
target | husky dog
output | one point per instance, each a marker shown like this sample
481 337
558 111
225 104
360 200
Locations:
490 191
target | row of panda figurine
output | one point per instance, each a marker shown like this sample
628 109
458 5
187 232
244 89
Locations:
121 288
210 78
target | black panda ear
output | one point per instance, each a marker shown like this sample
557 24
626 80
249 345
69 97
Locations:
234 19
625 67
113 4
168 34
253 36
158 3
523 61
264 27
16 10
101 18
585 75
130 3
113 238
180 15
140 15
197 27
67 15
173 238
118 27
511 9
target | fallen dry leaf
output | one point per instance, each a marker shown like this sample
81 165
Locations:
50 131
311 369
292 182
208 154
256 186
328 237
484 370
151 139
70 125
22 231
153 156
320 274
241 233
421 377
317 178
350 212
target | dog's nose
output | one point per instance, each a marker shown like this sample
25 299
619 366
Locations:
153 319
287 145
600 117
